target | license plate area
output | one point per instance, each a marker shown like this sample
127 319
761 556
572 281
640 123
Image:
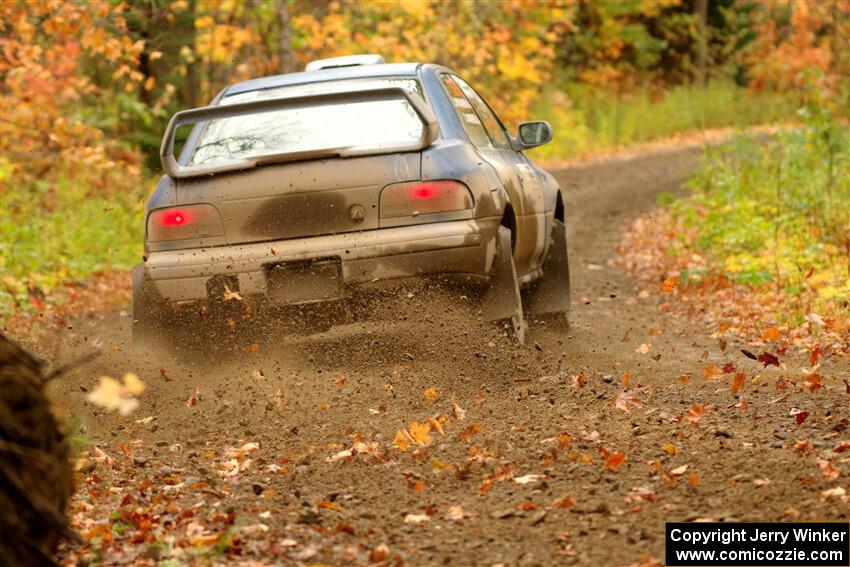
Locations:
304 281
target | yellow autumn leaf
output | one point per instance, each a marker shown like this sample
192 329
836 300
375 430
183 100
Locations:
431 394
421 433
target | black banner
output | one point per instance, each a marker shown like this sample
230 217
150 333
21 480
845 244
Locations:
824 544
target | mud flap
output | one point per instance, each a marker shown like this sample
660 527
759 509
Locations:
552 293
503 301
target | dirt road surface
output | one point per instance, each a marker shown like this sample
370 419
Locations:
518 475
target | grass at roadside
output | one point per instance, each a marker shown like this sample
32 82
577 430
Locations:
764 240
587 121
55 232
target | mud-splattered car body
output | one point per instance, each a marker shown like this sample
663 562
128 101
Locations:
276 210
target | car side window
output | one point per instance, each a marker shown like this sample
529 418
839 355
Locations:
491 122
468 117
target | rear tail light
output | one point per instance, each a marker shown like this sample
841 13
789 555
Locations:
424 197
179 223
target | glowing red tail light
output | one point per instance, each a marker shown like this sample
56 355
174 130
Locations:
191 221
424 197
176 217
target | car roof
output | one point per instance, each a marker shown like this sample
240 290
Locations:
324 75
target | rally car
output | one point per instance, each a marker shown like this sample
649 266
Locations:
298 188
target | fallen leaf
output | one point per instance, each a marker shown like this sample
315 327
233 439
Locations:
529 478
738 382
770 335
712 372
679 471
416 519
230 295
801 416
114 395
670 284
435 423
193 399
837 493
759 482
458 412
827 469
695 412
643 348
809 272
814 355
612 460
455 513
768 359
345 455
815 319
579 380
421 433
626 379
626 402
565 502
379 554
469 431
670 449
402 440
693 480
431 394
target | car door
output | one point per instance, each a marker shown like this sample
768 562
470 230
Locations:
519 179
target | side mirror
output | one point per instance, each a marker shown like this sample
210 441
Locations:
533 134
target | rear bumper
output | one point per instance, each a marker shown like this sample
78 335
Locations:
458 247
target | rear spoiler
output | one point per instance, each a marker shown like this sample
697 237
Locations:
176 170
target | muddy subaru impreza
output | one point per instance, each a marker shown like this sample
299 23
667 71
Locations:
298 188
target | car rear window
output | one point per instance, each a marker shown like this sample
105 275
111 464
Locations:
371 123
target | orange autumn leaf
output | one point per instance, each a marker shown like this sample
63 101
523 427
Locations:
565 502
670 284
613 460
421 433
712 372
770 335
738 382
670 449
695 412
469 431
627 378
693 480
827 469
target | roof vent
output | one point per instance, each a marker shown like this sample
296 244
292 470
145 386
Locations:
345 61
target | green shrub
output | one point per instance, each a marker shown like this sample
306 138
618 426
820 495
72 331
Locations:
67 229
586 120
778 210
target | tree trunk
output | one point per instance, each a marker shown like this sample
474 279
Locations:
286 56
701 11
35 474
